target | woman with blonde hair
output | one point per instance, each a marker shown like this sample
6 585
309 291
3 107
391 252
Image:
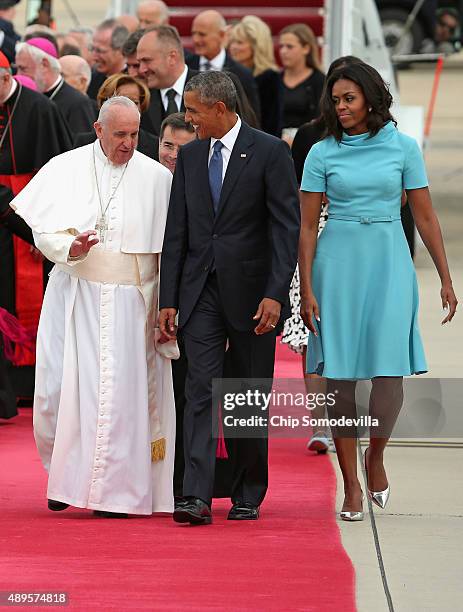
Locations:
251 45
302 78
136 90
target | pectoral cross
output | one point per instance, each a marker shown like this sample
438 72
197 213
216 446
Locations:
101 227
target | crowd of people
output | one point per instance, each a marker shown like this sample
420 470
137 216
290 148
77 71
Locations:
160 184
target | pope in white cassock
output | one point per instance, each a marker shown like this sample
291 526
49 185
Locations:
104 414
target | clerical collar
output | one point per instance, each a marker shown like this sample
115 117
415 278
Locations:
55 84
216 63
14 87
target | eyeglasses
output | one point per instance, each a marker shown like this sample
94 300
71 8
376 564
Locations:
98 50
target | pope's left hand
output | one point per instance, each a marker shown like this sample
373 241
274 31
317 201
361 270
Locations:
269 314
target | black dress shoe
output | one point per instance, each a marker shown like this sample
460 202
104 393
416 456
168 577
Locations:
194 511
105 514
243 511
56 506
179 501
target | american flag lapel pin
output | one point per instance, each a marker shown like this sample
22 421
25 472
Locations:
243 154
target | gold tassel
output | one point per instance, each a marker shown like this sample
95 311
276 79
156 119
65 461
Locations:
158 449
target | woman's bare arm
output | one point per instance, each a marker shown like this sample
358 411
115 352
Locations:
430 231
311 205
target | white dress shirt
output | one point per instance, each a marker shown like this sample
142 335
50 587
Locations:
217 62
178 86
228 141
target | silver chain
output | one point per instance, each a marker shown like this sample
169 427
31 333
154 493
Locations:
103 212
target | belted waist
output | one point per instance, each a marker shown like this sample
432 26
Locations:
102 266
365 219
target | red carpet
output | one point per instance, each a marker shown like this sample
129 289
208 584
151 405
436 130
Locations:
291 559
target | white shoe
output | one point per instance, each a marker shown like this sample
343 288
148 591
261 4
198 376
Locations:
319 442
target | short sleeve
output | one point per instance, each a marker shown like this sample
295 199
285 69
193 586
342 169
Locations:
414 172
314 175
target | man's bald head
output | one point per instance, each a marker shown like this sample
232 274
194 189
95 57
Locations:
152 13
209 31
76 72
160 57
128 21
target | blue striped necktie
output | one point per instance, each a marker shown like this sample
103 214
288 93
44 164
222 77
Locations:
215 174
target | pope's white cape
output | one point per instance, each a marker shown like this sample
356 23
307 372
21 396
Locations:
100 383
62 197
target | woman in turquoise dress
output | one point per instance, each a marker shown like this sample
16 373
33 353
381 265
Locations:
359 294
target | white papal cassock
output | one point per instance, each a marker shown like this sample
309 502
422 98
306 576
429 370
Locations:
103 393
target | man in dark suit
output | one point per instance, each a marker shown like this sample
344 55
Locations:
162 66
228 258
208 32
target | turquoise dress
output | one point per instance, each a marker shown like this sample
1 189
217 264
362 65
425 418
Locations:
363 276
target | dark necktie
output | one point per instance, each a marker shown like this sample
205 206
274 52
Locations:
206 66
215 174
171 103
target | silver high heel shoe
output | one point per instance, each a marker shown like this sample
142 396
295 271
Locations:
347 515
377 497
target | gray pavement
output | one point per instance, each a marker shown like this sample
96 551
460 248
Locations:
420 531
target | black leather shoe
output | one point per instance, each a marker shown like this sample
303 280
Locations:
193 511
243 511
56 506
179 501
105 514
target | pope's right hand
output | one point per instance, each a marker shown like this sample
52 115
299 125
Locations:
83 243
166 324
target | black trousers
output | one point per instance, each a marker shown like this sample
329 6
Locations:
205 336
179 372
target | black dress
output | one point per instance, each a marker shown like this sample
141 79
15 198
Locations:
306 136
301 103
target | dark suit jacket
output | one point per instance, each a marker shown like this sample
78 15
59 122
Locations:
151 120
245 76
77 109
98 78
148 144
253 239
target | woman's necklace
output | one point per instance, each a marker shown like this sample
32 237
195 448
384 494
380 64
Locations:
102 223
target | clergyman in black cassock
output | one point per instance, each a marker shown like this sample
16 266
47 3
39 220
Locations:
32 131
